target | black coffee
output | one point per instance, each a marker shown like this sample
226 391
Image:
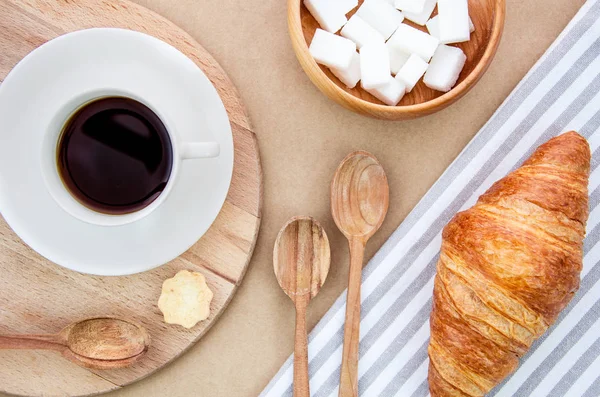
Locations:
115 155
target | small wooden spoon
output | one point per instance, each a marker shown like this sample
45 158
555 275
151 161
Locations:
301 260
359 203
98 343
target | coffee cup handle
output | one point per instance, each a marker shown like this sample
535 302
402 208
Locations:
200 150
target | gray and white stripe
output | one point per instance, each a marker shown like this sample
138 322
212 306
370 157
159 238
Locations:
562 92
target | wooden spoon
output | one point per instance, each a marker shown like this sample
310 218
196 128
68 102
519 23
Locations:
301 260
359 203
98 343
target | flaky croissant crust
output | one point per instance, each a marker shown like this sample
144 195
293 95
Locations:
507 268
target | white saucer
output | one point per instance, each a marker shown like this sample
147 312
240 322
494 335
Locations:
94 60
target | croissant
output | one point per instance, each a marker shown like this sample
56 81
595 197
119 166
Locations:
508 266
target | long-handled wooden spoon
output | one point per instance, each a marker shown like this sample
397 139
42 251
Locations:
99 343
301 260
359 203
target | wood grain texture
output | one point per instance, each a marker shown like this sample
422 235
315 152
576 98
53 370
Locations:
37 296
350 353
508 266
359 203
488 18
301 259
98 343
301 379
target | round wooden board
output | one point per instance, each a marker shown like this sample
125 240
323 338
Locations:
37 296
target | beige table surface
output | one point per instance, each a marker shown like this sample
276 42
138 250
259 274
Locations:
302 137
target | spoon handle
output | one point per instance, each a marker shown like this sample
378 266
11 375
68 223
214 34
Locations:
301 384
349 370
32 342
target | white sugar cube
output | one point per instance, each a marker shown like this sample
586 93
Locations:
454 21
433 26
328 13
391 93
397 58
413 41
444 68
351 74
374 65
346 5
413 6
422 17
381 15
332 50
412 71
361 32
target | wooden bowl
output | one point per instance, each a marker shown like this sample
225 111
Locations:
488 18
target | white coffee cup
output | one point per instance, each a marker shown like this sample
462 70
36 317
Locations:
59 192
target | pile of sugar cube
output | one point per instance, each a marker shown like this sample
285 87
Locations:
388 47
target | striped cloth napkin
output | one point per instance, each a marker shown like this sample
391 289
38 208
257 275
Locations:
562 92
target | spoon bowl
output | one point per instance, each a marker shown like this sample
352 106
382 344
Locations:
301 257
359 195
106 339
